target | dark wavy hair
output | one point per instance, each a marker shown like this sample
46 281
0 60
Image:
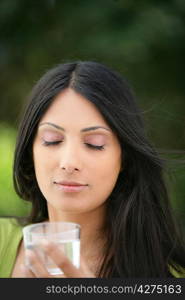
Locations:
142 236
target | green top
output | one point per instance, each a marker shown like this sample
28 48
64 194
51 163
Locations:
10 237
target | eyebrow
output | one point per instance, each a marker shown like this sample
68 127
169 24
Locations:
82 130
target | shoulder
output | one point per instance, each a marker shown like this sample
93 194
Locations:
177 272
8 226
10 231
10 236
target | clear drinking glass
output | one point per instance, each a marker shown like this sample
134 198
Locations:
65 234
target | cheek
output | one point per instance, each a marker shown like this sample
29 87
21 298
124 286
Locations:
42 159
109 177
42 164
106 174
108 167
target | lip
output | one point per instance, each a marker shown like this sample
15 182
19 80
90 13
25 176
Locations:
70 186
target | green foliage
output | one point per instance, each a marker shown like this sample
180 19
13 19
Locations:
10 204
145 41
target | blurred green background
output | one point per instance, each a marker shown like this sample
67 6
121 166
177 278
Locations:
144 40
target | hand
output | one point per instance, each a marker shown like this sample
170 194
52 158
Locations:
37 269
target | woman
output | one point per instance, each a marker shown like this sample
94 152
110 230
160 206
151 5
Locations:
82 156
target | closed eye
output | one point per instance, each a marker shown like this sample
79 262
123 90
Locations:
46 143
53 143
95 147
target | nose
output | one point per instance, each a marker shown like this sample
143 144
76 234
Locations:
70 169
70 161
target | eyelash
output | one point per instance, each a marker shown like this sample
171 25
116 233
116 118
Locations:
94 147
45 143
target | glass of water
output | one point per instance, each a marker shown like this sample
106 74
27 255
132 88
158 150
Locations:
65 234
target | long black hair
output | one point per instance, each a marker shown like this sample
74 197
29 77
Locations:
142 236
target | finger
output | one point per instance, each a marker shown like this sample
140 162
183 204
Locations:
62 261
26 272
35 265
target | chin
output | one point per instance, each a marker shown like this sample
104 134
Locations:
66 206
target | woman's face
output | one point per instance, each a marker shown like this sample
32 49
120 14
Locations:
77 157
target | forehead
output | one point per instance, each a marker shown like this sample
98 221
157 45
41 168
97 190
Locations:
70 108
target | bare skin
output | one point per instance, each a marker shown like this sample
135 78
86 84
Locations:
82 149
20 270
